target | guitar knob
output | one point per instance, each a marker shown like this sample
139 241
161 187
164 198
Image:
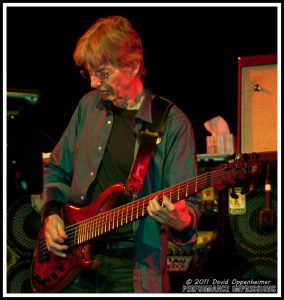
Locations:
46 279
53 275
59 267
36 278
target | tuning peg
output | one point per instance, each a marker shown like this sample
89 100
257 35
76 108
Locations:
254 156
246 157
237 157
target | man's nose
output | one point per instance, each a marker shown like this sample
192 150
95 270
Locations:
95 81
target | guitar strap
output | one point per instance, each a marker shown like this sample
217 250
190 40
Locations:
150 134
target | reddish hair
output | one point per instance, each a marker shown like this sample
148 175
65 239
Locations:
111 41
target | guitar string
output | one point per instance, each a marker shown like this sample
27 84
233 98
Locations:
100 220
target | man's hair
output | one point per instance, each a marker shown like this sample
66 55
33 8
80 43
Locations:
110 40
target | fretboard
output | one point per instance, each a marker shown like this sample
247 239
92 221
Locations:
122 215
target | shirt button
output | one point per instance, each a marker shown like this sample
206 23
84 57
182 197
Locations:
82 197
92 173
109 122
100 148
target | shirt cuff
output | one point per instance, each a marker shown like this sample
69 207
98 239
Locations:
52 207
184 235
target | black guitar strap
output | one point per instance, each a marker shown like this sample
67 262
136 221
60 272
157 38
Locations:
149 136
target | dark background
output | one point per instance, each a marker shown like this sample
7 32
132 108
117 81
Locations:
190 55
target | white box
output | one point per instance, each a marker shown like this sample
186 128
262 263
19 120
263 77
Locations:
223 144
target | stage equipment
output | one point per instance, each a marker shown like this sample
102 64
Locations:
257 103
24 177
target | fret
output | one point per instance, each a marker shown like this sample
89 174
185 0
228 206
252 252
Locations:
83 233
91 226
178 194
143 208
126 215
79 234
95 227
161 199
102 224
98 225
121 222
87 231
75 235
109 221
132 212
113 220
137 212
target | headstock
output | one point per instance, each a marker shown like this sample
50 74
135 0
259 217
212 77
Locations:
239 168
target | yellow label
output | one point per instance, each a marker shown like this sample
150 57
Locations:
208 194
237 206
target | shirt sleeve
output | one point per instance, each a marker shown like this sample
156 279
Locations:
58 172
181 165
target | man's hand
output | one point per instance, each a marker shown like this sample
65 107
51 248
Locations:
55 235
176 215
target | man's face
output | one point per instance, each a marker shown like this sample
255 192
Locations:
113 84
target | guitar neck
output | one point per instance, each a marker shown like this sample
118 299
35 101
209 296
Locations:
122 215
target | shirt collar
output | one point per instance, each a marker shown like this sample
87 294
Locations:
145 111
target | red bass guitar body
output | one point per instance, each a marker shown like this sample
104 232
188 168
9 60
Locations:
51 273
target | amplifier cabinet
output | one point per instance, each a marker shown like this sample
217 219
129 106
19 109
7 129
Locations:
257 104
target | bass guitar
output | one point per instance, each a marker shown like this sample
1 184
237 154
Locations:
51 273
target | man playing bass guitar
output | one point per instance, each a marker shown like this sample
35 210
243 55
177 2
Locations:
95 153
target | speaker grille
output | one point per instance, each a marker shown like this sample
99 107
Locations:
256 247
12 258
258 267
18 279
23 226
249 236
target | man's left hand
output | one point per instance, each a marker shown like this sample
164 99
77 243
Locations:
176 215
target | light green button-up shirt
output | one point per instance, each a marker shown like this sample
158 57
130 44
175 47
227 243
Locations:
75 161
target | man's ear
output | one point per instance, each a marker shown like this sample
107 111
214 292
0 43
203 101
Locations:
135 67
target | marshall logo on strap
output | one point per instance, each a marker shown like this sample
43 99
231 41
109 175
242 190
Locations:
150 135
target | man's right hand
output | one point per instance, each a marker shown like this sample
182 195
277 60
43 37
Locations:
55 234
